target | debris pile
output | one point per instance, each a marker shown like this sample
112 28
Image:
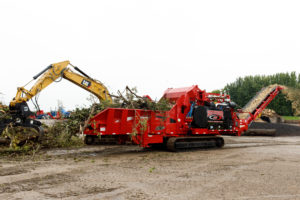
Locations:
21 136
133 101
3 110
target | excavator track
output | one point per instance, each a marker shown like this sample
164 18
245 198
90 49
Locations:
186 143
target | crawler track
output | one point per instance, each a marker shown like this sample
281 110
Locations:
186 143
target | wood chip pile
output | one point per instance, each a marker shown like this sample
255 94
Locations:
256 101
269 113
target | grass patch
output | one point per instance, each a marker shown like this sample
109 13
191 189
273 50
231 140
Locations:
290 117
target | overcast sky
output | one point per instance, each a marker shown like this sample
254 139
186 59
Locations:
153 45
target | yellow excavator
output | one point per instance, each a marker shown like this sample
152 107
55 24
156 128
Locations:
18 107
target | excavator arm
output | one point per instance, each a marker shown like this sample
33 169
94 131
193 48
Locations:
19 109
91 85
61 70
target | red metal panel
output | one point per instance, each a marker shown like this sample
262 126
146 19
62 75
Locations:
175 93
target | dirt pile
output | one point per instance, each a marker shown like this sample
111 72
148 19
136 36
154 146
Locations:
281 129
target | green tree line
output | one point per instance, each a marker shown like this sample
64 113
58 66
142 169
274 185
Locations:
243 89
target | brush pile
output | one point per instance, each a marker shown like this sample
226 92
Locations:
133 101
3 111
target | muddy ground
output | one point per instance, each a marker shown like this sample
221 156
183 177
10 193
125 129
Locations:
246 168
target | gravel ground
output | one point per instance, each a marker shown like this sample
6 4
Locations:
246 168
